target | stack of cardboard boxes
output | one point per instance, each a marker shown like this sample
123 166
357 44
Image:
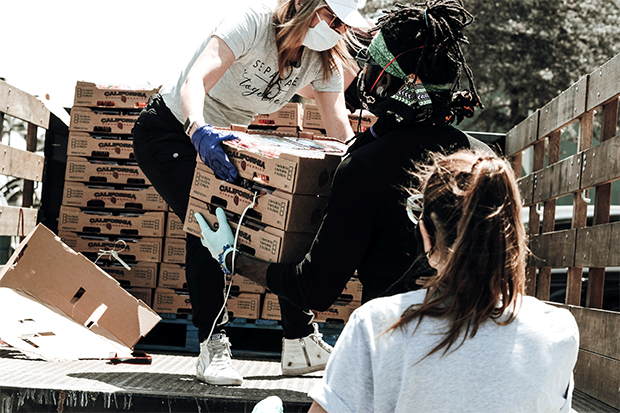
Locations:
108 203
289 179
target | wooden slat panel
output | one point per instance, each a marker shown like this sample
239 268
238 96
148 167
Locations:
21 164
558 179
595 246
601 163
526 189
555 249
599 331
598 377
614 256
522 135
12 218
21 105
603 83
562 110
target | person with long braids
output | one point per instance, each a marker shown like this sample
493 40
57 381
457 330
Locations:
411 80
470 340
254 61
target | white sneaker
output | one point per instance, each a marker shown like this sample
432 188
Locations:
306 354
214 364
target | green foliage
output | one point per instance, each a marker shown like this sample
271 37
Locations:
525 52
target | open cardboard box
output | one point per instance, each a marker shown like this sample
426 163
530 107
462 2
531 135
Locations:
57 304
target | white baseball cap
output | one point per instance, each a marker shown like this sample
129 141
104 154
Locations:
346 10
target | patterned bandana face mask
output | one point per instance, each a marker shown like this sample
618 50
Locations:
413 92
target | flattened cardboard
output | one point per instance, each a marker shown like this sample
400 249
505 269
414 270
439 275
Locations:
115 222
295 165
134 249
142 274
104 171
277 208
172 276
44 280
99 146
111 96
289 115
261 241
102 196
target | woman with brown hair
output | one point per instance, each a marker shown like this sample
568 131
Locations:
254 61
470 340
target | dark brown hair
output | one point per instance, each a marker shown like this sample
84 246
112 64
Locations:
472 211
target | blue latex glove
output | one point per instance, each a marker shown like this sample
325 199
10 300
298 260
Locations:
206 140
215 240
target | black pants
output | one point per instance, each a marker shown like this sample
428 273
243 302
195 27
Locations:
168 158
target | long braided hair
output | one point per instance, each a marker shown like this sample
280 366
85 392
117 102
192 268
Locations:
425 38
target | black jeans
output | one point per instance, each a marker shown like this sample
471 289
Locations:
168 158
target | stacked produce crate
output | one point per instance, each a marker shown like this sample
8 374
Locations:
109 207
291 179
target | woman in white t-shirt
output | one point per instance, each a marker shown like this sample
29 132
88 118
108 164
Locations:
253 62
470 340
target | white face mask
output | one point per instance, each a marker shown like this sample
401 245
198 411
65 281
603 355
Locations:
321 37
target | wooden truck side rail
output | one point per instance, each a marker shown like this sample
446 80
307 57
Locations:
595 246
18 163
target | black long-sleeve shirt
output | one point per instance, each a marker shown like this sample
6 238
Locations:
366 227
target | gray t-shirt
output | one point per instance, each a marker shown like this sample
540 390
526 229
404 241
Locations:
525 366
243 91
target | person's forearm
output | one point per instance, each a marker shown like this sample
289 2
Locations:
249 267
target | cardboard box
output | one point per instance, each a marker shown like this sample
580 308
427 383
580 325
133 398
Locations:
142 274
118 222
142 293
102 120
313 121
353 290
104 171
166 300
174 251
172 276
338 313
298 166
59 305
132 249
79 194
244 285
174 226
289 115
243 305
277 208
271 308
312 117
100 146
261 241
367 120
115 96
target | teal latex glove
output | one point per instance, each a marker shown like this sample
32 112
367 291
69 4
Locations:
215 241
272 404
